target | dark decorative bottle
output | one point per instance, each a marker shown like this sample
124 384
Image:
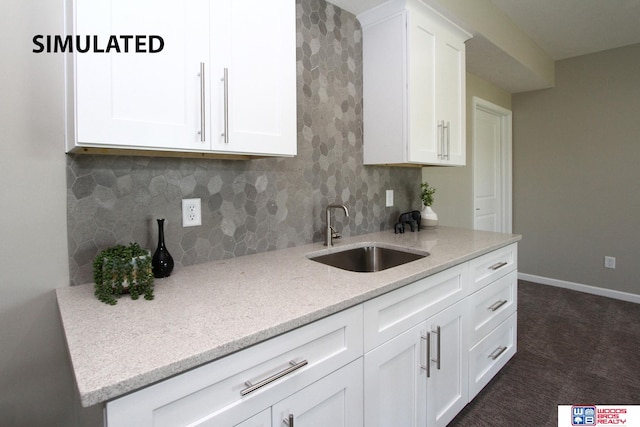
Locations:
162 262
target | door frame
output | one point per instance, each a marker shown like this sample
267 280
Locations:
506 180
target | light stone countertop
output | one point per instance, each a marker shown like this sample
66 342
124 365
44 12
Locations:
207 311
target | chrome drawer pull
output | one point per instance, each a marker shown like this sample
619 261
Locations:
498 265
437 360
253 387
496 305
428 365
497 352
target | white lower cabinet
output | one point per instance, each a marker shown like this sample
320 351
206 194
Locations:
419 378
447 385
412 357
396 382
238 388
491 354
335 400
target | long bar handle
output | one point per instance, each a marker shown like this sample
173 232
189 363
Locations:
437 359
427 367
448 128
225 79
203 115
497 352
496 305
441 139
253 387
498 265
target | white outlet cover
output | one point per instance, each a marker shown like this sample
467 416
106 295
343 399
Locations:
609 262
389 198
191 212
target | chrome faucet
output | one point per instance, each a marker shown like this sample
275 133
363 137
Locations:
330 232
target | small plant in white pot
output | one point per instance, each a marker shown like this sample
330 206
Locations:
429 219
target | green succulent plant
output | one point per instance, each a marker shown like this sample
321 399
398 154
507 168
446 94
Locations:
426 193
119 265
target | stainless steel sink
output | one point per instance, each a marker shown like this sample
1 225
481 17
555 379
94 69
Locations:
368 259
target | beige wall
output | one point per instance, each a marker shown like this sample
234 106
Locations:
577 172
453 201
36 382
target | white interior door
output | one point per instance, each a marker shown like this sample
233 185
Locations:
492 167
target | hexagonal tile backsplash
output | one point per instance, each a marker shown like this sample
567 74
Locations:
255 205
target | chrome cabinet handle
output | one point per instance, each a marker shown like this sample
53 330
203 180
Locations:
225 79
440 139
497 352
448 128
288 421
498 265
427 340
202 104
496 305
437 359
253 387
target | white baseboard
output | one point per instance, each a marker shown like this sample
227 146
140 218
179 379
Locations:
624 296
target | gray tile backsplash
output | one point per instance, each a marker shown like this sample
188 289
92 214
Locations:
255 205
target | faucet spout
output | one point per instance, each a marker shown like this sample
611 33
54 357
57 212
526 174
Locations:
330 232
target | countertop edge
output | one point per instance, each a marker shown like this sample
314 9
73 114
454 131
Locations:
92 396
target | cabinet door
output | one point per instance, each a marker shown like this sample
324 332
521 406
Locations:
335 400
140 99
450 96
423 140
255 42
395 382
448 388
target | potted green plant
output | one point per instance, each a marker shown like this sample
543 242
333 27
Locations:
429 219
123 269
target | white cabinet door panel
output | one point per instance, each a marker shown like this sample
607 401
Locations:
395 382
448 388
255 41
335 400
139 99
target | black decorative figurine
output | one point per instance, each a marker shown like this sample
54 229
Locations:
162 262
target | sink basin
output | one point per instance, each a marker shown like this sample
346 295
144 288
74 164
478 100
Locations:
368 259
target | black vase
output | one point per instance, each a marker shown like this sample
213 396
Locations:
162 262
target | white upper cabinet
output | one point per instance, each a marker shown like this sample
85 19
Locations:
254 41
136 99
414 86
176 99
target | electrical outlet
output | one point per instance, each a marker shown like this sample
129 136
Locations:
389 198
610 262
191 213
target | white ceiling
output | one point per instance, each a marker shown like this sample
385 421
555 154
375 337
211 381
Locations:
562 28
568 28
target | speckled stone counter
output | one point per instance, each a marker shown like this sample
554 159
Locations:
207 311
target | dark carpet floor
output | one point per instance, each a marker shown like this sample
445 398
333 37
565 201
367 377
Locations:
573 348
